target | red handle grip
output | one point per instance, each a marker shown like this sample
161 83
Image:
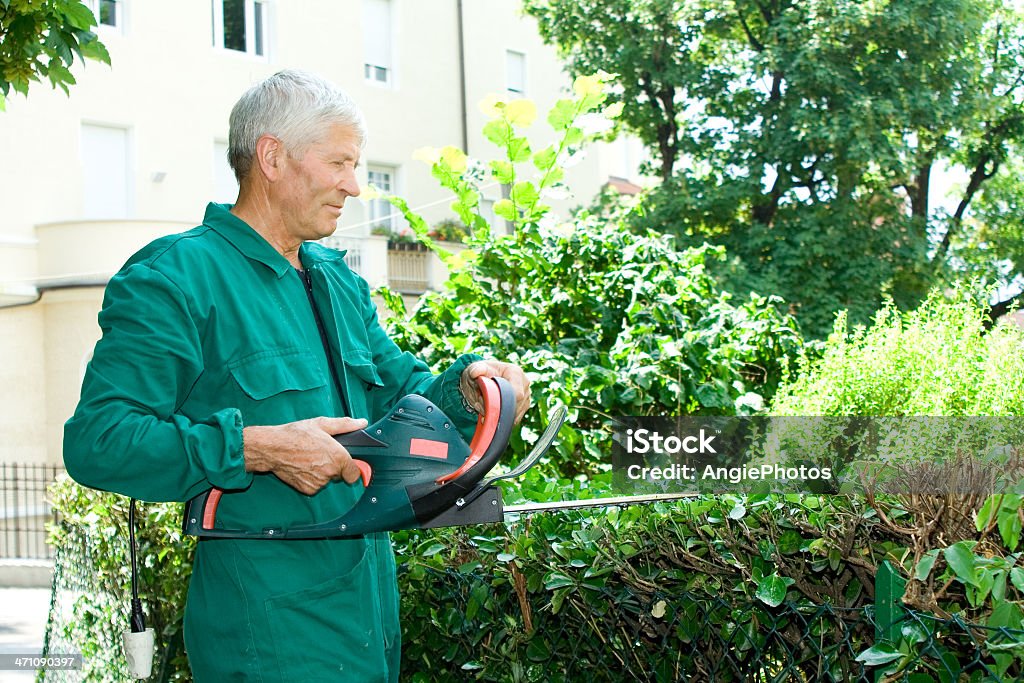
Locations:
486 425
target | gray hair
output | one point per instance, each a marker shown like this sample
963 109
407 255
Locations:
292 105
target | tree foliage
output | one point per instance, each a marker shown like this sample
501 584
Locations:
808 137
39 40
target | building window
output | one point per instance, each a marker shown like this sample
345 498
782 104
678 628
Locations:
107 12
240 25
382 216
515 73
105 174
377 29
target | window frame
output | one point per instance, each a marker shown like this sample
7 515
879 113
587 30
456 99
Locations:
508 64
389 68
251 40
119 15
390 213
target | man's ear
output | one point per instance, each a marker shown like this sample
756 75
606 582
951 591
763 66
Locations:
270 156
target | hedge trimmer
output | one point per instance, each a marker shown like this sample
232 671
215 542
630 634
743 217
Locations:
418 473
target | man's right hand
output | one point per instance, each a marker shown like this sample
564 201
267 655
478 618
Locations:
302 454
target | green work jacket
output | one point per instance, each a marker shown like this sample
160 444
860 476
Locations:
210 331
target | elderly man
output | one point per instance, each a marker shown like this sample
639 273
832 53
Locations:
230 356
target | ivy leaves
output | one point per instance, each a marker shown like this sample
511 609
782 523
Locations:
38 40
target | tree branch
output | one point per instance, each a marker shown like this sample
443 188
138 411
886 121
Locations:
754 42
989 160
776 93
663 103
919 196
1000 309
978 176
763 212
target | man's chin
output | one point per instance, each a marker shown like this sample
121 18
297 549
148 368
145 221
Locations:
327 230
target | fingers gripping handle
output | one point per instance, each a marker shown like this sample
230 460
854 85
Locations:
486 426
358 438
365 471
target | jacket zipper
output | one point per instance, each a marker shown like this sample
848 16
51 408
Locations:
307 281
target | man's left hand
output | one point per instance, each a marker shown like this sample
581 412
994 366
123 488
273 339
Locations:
492 368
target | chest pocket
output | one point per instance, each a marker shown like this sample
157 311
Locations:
280 385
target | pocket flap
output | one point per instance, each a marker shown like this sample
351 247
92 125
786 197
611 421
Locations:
267 373
360 362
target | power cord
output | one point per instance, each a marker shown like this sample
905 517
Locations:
137 619
139 640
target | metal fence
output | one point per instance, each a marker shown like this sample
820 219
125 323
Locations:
25 510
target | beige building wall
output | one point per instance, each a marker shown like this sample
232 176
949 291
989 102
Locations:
23 404
169 91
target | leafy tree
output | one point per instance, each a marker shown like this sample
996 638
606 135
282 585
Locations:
806 137
39 39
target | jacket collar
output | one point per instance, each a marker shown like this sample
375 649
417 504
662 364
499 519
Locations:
252 245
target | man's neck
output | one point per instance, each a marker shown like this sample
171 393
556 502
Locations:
255 209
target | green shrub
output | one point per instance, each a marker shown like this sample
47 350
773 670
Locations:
605 321
935 360
653 593
957 546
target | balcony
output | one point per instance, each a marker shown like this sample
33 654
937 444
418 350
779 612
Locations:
406 267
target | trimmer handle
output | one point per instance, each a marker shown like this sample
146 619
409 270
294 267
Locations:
488 441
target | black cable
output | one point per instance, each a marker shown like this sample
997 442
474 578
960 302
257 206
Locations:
138 620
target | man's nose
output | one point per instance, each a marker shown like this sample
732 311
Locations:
350 186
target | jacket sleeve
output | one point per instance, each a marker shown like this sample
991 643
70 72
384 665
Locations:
402 373
127 435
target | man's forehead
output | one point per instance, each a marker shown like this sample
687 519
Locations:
341 139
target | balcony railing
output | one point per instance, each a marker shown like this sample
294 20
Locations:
405 267
408 269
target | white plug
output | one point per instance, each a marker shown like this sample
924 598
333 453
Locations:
138 650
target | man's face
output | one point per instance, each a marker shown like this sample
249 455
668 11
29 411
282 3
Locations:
313 188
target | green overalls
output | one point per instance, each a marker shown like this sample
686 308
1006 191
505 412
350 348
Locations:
209 331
